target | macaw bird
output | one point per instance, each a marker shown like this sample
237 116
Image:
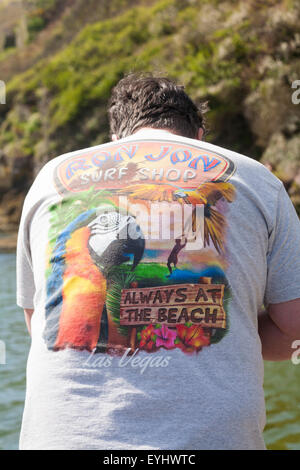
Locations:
207 194
85 251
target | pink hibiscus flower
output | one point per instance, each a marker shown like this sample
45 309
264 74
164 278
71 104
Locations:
165 337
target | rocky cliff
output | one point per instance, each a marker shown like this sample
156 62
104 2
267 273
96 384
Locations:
60 59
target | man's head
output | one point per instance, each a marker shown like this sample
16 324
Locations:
140 101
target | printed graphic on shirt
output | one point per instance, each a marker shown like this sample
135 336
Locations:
137 249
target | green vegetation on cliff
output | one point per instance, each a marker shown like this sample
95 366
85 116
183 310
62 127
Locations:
240 56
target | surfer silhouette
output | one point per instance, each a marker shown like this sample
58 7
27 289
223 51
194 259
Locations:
173 257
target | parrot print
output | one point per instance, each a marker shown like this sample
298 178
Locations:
81 260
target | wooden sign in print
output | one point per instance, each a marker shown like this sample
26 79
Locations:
174 304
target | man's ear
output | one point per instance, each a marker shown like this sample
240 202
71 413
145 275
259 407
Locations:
200 133
114 137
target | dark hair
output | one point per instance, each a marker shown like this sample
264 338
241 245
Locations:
140 100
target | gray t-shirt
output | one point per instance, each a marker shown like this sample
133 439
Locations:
146 262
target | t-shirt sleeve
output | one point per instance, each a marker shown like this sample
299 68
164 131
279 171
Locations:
283 259
25 280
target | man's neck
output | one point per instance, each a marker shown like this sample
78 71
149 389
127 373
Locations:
153 131
147 130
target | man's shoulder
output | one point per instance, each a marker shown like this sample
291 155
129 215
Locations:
74 153
248 169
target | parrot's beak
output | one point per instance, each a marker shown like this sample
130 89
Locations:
135 242
138 252
114 237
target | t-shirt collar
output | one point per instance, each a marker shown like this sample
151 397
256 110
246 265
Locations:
149 132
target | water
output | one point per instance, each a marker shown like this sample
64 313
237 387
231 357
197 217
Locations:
282 380
12 374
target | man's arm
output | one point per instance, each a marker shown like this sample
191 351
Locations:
28 312
278 327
